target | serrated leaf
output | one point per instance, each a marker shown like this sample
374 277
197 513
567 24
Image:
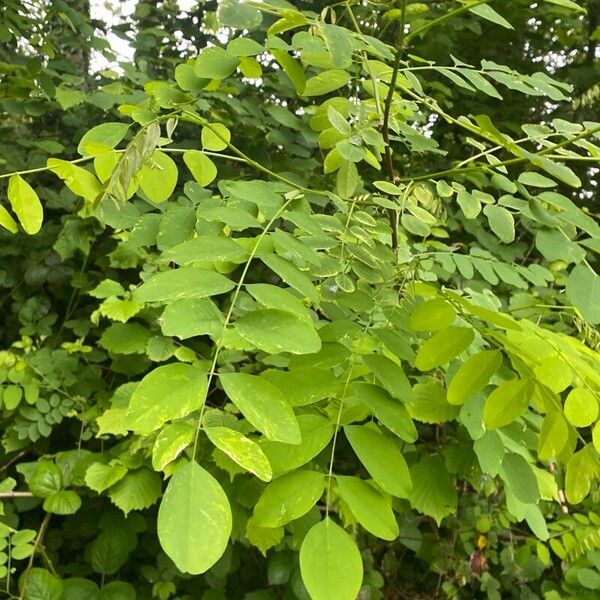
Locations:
65 502
99 477
194 519
263 538
136 491
39 584
109 551
433 493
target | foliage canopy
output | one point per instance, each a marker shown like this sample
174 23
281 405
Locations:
311 312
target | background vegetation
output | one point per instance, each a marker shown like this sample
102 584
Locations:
301 302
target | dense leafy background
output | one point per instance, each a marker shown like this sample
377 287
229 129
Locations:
321 341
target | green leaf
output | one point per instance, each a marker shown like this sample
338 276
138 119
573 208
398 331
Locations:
316 432
470 205
434 492
371 508
263 405
288 498
272 296
205 248
190 317
432 315
110 550
263 538
325 82
443 346
276 331
473 375
80 181
533 179
170 443
347 179
292 68
554 435
382 459
489 449
581 407
583 469
389 411
501 222
242 450
292 276
507 403
7 221
568 4
169 392
25 203
201 167
194 519
125 338
65 502
489 14
330 563
136 491
215 137
39 584
102 138
430 404
391 375
186 282
583 290
158 177
520 478
118 590
232 13
99 477
45 480
215 63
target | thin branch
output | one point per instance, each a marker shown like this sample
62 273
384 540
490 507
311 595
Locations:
9 495
385 125
443 18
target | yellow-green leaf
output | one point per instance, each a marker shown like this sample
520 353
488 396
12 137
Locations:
25 203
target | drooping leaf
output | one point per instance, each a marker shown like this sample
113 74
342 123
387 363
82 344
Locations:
433 492
382 458
242 450
473 375
263 405
330 563
25 203
371 508
194 519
